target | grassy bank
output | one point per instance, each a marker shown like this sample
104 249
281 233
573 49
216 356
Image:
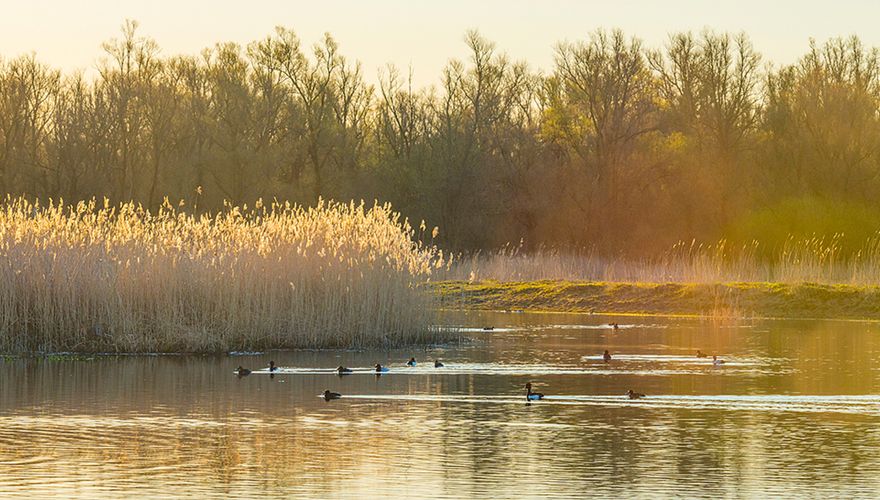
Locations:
737 299
799 260
86 278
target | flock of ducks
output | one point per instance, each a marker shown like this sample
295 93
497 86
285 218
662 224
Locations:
530 395
340 370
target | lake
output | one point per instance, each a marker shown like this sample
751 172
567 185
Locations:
794 411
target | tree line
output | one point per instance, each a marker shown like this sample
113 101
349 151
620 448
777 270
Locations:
619 146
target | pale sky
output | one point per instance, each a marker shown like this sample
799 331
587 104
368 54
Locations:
421 34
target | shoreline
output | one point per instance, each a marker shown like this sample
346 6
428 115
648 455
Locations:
740 300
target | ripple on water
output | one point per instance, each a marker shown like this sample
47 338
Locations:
634 365
768 423
862 405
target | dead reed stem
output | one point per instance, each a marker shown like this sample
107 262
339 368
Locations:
122 279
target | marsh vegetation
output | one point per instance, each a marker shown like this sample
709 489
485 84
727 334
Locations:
106 278
796 260
594 170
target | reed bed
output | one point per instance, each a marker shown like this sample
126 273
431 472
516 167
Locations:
798 260
92 278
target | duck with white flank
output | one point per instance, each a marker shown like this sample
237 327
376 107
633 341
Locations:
532 396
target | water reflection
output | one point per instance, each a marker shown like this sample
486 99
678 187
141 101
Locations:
795 413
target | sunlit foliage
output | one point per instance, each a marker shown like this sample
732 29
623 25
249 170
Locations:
619 147
124 279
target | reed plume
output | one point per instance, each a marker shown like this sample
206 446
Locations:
92 277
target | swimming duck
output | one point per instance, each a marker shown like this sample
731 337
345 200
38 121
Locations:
701 354
341 370
614 326
607 356
716 361
634 395
331 395
380 368
272 366
438 364
488 328
532 396
411 362
242 372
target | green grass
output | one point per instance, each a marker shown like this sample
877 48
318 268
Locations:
734 299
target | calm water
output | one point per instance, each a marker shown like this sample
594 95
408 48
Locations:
795 411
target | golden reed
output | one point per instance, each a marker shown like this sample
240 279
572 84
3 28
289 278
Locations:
93 278
798 260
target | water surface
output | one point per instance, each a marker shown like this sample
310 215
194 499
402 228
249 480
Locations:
795 411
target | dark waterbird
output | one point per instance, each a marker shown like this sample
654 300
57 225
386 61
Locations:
438 364
488 328
272 366
242 372
331 395
341 370
411 362
701 354
634 395
532 396
607 356
716 361
380 368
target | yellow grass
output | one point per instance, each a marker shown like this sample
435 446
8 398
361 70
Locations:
799 260
120 279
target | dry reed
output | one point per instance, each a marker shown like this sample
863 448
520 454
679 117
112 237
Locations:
798 260
122 279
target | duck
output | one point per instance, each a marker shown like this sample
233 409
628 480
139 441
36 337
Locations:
242 372
488 328
438 364
607 356
716 361
331 395
634 395
380 368
532 396
614 326
272 366
411 362
341 370
701 354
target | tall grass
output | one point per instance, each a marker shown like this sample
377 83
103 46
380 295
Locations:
119 278
798 260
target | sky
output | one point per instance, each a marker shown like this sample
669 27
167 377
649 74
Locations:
419 34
